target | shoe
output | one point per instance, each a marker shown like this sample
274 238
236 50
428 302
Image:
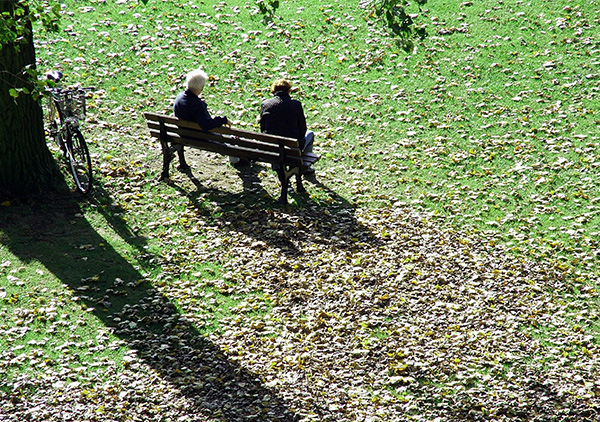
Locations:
241 163
308 170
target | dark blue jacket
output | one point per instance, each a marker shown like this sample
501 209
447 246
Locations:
188 106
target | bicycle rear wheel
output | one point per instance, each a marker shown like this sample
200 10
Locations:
80 161
55 127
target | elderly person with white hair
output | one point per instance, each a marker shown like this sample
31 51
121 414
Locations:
189 106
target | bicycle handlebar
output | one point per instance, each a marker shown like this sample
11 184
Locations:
56 75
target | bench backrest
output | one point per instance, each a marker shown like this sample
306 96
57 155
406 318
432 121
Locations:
224 140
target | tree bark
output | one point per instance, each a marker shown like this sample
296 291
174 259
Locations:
26 164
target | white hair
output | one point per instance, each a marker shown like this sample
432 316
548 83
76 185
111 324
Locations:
195 80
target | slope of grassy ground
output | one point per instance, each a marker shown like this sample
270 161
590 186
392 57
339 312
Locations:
444 264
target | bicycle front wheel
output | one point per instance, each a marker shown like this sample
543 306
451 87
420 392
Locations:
80 161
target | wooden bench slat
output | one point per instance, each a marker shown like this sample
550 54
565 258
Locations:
236 151
272 139
225 148
217 137
309 158
265 137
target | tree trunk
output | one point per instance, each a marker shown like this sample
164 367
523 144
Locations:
26 164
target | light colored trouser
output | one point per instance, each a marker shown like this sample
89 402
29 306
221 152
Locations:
309 140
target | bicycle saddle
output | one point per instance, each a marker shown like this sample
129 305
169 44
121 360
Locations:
55 75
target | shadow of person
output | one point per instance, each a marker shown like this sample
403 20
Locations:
248 172
54 234
193 179
330 219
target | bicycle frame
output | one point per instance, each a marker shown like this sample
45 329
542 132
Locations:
66 107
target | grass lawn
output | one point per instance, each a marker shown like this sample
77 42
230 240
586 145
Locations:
443 266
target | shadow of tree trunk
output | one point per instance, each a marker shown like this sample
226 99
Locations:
122 299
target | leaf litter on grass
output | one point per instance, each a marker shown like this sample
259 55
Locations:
362 314
380 315
347 315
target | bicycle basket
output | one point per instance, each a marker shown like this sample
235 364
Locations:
74 103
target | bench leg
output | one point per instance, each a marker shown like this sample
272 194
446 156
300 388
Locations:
284 181
167 157
299 187
183 166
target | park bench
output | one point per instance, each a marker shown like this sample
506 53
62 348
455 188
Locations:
173 133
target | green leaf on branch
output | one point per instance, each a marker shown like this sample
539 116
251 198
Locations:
398 19
267 8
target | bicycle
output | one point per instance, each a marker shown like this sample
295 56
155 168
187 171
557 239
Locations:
66 110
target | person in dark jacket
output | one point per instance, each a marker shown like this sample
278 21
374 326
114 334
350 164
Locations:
281 115
189 106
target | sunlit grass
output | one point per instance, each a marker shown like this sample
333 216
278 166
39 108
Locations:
489 126
490 123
